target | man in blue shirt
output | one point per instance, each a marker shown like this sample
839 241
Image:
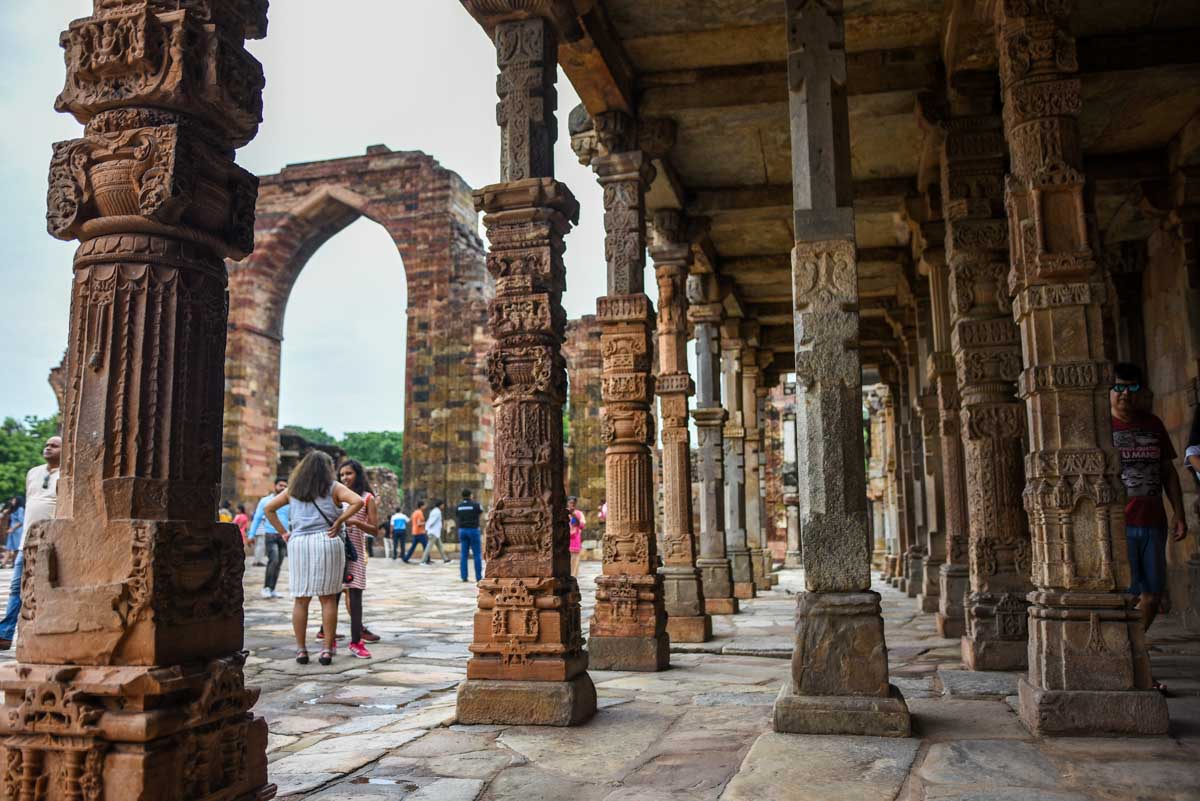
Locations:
276 549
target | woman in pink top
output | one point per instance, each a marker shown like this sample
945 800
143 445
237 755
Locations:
577 523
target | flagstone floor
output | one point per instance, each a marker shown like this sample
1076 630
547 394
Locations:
383 729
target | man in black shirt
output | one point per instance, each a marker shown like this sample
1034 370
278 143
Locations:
467 515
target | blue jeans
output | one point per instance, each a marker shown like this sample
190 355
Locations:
418 539
468 540
8 627
1147 559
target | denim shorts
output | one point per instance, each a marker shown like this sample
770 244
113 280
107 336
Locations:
1147 559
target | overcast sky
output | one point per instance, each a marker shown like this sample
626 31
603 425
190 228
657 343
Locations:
411 74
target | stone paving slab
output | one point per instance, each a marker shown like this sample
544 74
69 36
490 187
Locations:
384 728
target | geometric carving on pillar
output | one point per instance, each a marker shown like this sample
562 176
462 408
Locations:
527 665
987 354
1088 669
736 544
839 682
683 592
130 681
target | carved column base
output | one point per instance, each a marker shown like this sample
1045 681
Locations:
1191 615
996 633
760 564
527 630
527 703
839 682
914 572
889 567
931 588
132 733
793 559
716 577
953 582
629 627
683 599
742 573
1089 673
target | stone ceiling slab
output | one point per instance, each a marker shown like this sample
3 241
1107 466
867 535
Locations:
1137 109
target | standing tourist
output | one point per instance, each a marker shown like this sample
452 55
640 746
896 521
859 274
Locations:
577 523
351 474
273 544
467 515
418 532
242 521
225 513
399 524
433 530
1147 469
41 494
318 508
15 530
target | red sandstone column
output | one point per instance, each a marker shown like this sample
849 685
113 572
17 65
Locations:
129 683
683 593
628 629
1088 668
528 665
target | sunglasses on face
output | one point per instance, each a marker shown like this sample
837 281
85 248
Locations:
1122 388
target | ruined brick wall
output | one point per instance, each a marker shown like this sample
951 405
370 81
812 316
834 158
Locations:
585 446
429 214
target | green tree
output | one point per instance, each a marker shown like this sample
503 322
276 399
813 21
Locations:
317 436
377 449
21 444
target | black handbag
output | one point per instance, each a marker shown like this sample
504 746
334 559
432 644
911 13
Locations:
351 552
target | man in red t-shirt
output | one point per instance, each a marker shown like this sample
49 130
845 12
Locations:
1147 469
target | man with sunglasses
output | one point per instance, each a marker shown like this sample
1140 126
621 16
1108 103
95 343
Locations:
41 497
1147 469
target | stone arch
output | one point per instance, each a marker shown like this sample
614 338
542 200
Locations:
429 214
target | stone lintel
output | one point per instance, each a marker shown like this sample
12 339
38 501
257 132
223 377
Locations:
527 703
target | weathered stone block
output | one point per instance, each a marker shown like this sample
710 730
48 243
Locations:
841 714
629 653
1091 712
527 703
840 648
689 629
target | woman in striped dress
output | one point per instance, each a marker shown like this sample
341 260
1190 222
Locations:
352 474
318 506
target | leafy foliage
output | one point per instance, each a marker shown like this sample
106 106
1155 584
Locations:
317 436
21 444
376 449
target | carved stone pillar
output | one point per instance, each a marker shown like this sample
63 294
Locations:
683 592
987 355
954 575
736 545
715 572
628 628
892 496
791 498
917 548
527 665
770 577
756 535
902 437
129 680
1088 668
935 542
839 682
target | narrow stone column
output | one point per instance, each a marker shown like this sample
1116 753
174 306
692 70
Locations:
954 575
771 578
917 547
756 535
527 665
893 498
987 354
683 592
1088 669
715 572
935 539
839 682
628 629
902 437
736 545
791 497
129 682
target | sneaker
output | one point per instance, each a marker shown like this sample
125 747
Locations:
426 564
275 594
266 593
369 636
360 650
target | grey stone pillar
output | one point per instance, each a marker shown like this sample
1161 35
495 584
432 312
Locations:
839 682
791 500
756 531
715 575
736 545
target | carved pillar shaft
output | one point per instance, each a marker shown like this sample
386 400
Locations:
148 617
752 444
736 546
527 665
987 354
715 571
839 682
628 627
914 556
1088 668
791 498
683 592
765 479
